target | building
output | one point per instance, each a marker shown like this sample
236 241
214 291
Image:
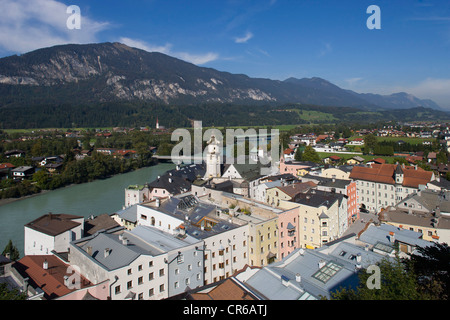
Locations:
136 194
322 218
345 187
47 277
142 264
5 170
52 232
297 168
168 185
426 212
383 185
311 274
22 173
355 160
286 192
126 217
224 239
213 159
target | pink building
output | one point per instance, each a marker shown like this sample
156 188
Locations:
288 232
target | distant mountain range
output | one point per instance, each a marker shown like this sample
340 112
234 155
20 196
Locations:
112 72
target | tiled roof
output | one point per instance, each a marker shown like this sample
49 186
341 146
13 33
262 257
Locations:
293 189
54 224
51 281
228 290
385 173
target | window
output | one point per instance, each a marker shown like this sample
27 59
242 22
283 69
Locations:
129 271
176 285
327 272
161 288
129 285
140 280
117 290
151 292
161 272
150 264
180 259
140 267
151 276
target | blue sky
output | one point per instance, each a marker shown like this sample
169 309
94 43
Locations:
273 39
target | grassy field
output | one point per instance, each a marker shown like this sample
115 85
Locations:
312 115
405 139
323 155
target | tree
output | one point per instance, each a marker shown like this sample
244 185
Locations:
12 251
396 283
7 294
370 142
311 155
41 178
298 154
432 267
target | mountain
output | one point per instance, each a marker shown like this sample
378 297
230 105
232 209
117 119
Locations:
112 72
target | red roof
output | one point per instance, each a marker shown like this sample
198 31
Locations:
384 173
6 165
51 281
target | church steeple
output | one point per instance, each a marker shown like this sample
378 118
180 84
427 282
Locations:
213 159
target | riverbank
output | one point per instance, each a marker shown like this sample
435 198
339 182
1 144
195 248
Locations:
11 200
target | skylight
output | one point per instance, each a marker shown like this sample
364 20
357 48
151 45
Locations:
327 272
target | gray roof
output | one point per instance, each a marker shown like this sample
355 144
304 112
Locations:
120 255
318 198
327 182
142 240
190 207
374 235
278 280
129 214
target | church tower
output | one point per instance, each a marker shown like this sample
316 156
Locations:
213 159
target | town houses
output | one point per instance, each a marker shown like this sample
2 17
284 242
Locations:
285 225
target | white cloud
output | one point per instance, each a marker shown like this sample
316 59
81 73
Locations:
352 81
326 49
245 38
29 25
197 59
432 88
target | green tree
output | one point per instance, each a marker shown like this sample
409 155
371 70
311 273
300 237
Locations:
12 251
42 178
370 142
311 155
396 283
298 154
7 294
432 267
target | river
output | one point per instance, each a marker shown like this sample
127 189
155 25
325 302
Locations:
93 198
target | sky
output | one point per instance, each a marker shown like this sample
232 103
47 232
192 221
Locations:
275 39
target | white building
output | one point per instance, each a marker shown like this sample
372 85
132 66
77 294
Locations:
142 264
52 232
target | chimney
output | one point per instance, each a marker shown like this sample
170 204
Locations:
45 265
158 202
125 241
321 264
170 180
301 251
8 255
298 278
89 250
107 252
358 258
392 237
